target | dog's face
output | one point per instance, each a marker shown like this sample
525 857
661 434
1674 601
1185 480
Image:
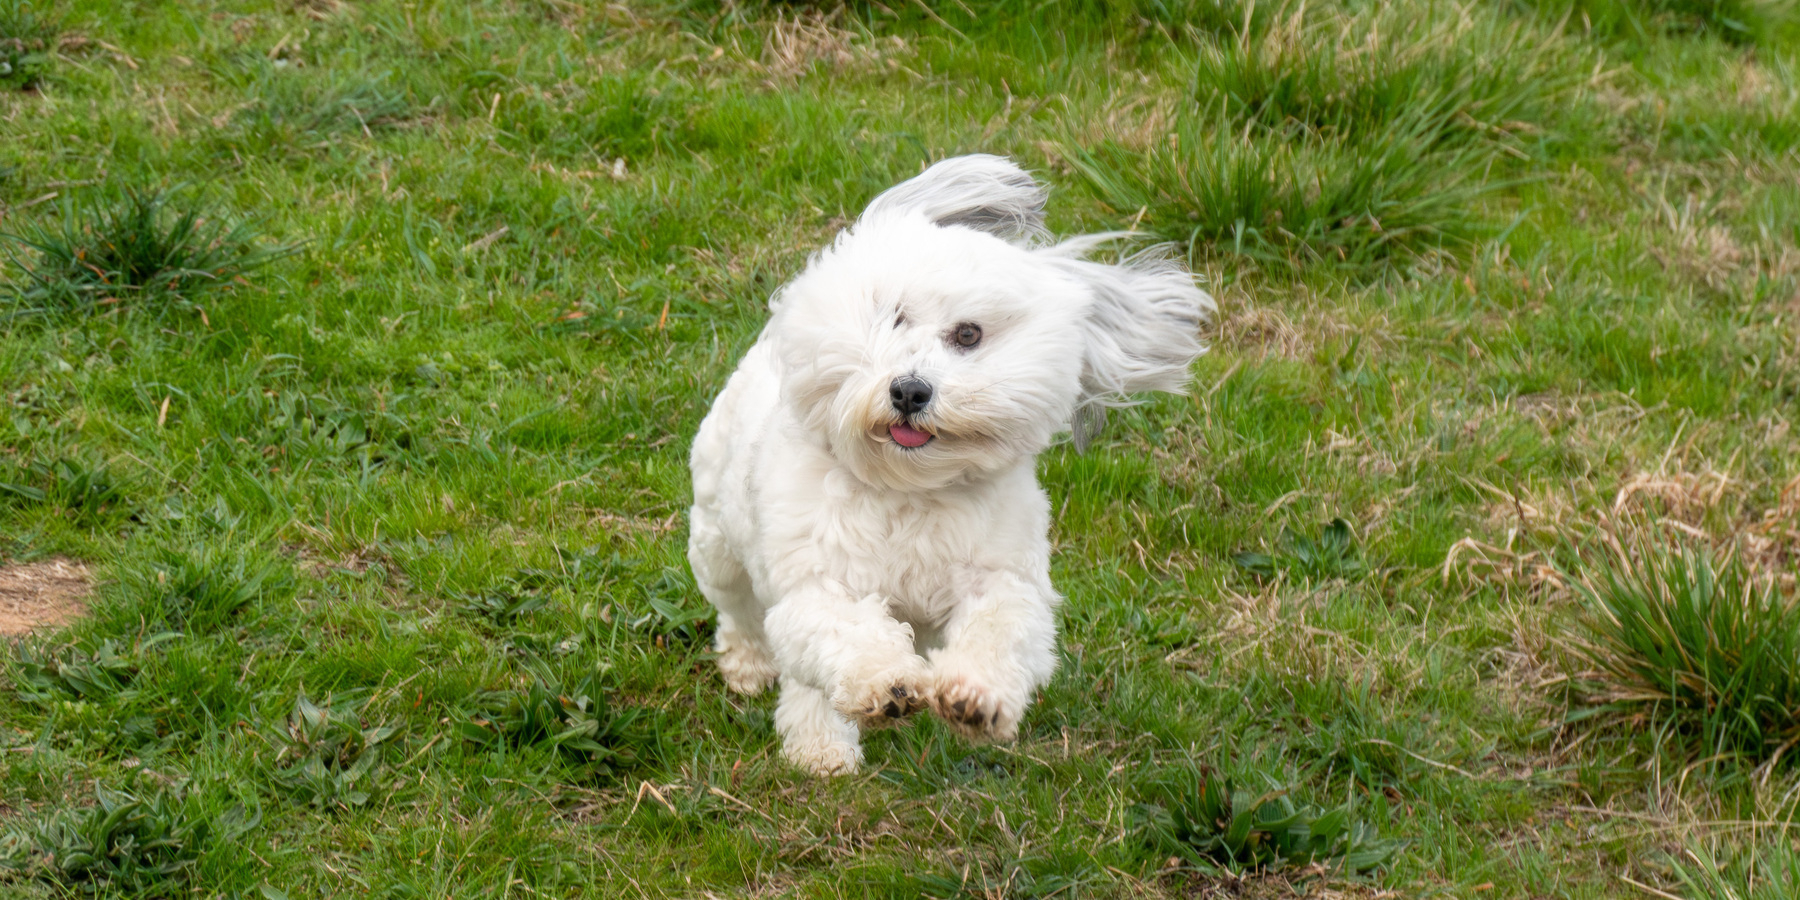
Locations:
921 353
924 347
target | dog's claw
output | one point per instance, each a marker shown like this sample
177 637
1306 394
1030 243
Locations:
975 711
886 705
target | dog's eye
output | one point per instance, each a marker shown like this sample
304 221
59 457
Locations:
968 334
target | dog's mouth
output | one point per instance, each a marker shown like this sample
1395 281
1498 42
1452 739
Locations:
905 435
909 437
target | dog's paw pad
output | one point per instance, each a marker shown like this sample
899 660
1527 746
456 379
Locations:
974 711
881 706
964 711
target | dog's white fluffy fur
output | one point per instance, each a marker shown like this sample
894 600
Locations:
873 578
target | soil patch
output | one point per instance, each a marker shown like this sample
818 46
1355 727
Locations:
42 594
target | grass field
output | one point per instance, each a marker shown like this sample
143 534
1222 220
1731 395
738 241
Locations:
356 347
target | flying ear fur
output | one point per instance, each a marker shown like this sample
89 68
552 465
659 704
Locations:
981 191
1143 330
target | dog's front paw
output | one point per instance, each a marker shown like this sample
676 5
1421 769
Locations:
979 712
885 697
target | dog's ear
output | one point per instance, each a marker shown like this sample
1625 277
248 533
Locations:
984 192
1143 330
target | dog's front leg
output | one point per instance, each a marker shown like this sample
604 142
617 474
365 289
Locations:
999 647
844 663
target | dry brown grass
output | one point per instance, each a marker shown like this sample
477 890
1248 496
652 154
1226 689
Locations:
317 9
1683 500
1369 461
1705 503
1702 251
1772 542
1278 629
1129 119
1264 331
799 44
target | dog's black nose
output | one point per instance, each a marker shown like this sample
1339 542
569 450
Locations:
910 394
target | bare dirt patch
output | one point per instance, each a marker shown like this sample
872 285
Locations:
43 594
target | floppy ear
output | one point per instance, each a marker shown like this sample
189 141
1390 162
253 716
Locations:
984 192
1143 329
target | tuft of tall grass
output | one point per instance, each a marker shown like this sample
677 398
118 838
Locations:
1694 644
1473 78
200 587
1347 139
1751 870
26 36
1299 201
136 248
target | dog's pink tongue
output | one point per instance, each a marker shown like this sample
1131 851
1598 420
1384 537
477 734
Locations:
907 436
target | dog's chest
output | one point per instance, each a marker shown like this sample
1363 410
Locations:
919 554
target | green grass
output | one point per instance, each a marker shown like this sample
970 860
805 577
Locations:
1695 646
357 347
1206 824
144 845
1763 870
138 249
26 38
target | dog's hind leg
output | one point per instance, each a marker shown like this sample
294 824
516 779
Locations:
743 657
743 651
813 735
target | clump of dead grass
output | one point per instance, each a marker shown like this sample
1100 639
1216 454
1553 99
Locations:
1704 505
799 44
1684 500
1277 630
1265 331
1701 252
1130 119
1773 541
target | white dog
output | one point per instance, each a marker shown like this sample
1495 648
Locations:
866 515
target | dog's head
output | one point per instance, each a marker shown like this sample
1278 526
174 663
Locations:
939 339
